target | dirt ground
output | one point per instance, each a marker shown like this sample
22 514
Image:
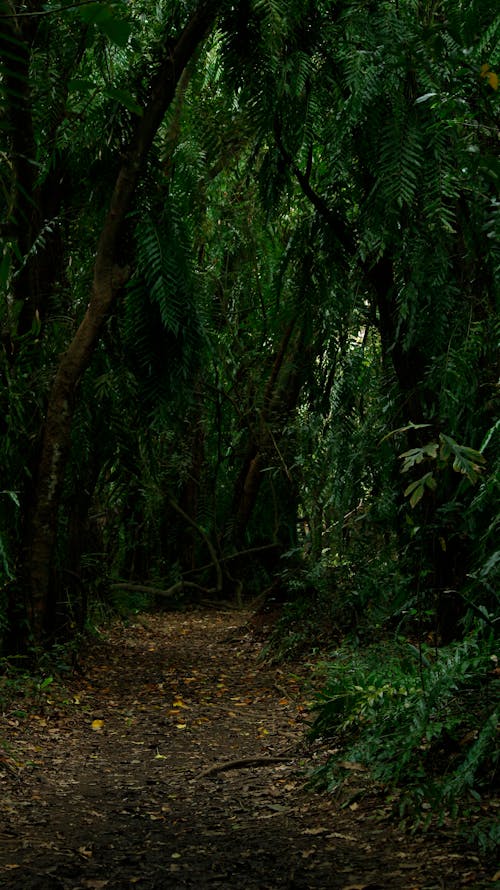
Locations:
175 758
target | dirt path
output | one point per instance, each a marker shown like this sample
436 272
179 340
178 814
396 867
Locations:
140 777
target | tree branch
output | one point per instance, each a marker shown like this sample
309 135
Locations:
160 591
242 762
335 221
203 534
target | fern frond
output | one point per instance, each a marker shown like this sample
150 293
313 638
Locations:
400 160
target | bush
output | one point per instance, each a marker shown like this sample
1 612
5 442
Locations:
423 721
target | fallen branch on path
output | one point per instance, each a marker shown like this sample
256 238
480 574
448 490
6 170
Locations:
240 763
159 591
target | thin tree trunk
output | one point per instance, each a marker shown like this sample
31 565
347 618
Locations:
108 280
280 399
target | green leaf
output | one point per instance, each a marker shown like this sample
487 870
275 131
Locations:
425 98
94 13
13 496
404 429
4 270
101 14
466 461
416 489
116 30
80 85
124 98
430 482
417 455
489 436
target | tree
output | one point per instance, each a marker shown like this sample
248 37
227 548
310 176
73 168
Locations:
263 308
108 277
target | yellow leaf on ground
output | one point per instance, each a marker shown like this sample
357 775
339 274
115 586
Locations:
178 703
97 725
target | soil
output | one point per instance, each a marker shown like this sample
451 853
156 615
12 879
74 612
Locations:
176 757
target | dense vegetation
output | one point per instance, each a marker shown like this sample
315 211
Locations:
249 343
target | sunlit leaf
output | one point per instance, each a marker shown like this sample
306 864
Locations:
404 429
490 76
425 98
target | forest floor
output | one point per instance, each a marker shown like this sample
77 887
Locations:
175 757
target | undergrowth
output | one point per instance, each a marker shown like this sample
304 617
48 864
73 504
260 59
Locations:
423 720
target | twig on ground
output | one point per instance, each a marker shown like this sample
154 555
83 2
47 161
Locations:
242 762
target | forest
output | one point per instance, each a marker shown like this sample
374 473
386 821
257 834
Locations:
249 278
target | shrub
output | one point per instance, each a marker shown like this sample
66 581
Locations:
423 721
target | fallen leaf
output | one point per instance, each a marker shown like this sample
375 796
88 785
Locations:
319 830
178 703
357 886
338 834
352 765
97 725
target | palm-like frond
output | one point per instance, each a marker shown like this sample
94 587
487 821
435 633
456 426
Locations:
160 321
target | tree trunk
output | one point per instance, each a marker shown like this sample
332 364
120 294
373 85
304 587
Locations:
280 399
108 280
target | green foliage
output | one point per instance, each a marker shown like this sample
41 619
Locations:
160 324
12 498
19 688
467 461
104 17
321 171
424 721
